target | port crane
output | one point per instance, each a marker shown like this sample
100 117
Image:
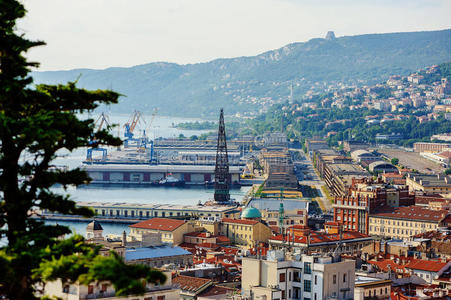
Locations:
130 126
103 119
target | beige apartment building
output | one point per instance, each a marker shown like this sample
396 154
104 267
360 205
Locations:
246 233
404 222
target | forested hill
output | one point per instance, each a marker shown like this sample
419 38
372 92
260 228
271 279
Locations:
246 84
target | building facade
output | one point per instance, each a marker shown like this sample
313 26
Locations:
308 277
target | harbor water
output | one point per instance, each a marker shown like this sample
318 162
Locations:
190 195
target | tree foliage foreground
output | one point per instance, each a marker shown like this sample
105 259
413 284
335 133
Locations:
35 123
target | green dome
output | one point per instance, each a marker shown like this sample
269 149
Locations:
251 213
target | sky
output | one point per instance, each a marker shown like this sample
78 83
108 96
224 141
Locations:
99 34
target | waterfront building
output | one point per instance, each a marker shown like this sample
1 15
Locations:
94 231
105 290
247 232
170 230
139 211
305 277
146 174
404 222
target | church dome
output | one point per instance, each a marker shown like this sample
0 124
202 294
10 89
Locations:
251 213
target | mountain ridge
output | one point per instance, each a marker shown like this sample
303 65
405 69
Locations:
250 83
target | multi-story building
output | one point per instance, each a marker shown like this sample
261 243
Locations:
305 277
365 197
404 222
430 147
246 233
436 184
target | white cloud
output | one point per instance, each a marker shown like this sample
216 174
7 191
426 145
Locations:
101 33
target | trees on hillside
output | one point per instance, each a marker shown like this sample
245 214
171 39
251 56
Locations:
34 124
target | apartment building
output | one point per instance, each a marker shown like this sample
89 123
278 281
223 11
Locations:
404 222
304 277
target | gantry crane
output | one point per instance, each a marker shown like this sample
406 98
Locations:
103 119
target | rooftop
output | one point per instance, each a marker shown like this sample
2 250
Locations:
321 237
159 224
190 284
238 221
426 265
416 213
154 252
125 205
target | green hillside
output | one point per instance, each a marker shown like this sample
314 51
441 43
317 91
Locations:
246 83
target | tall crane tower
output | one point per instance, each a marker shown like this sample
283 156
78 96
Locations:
222 175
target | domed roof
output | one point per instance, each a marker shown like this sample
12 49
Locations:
94 225
251 213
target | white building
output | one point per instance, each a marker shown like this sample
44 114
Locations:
303 277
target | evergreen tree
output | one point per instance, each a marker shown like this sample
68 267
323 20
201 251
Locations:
36 122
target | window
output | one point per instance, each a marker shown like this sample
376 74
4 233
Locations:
307 268
282 277
307 286
161 297
90 289
283 294
296 276
66 288
316 279
315 297
344 277
334 279
289 278
104 287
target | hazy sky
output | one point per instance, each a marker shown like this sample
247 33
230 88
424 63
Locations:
105 33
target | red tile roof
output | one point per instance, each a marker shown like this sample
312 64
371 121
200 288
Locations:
412 213
215 291
189 283
239 221
321 237
159 224
426 265
388 264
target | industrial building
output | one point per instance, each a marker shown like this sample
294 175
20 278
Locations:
147 174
